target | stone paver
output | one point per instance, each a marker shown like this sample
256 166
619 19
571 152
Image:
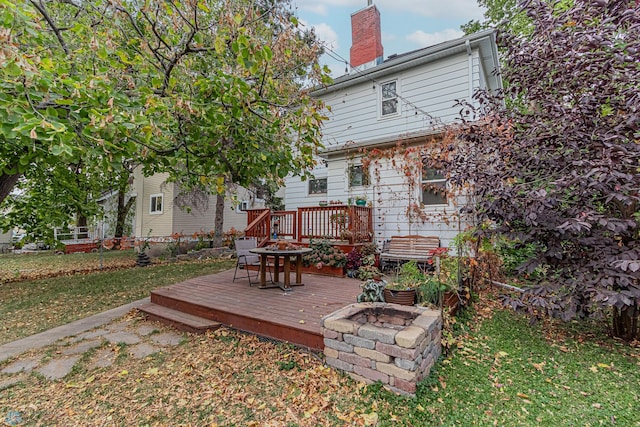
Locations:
92 334
103 358
123 337
49 337
166 338
58 368
26 365
142 350
145 330
81 348
119 326
6 383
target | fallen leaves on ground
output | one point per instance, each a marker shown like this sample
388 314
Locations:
223 378
25 267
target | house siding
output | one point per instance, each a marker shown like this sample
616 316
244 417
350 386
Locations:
156 225
426 92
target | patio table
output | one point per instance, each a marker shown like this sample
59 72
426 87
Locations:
286 254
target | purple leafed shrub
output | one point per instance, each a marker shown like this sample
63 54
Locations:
555 163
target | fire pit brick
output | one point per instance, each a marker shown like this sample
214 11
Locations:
394 344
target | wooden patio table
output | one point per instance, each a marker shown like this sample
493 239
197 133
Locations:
287 254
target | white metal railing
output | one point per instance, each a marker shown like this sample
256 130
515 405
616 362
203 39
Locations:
75 233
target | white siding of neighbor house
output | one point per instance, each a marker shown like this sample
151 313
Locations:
426 92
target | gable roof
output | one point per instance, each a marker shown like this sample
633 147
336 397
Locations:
485 41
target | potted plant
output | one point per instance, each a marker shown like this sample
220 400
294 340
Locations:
372 291
368 270
354 261
361 200
403 288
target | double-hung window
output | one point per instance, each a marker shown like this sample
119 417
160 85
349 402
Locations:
155 204
434 187
389 98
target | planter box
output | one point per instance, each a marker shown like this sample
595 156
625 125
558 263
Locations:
324 271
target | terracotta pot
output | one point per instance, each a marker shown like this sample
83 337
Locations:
404 297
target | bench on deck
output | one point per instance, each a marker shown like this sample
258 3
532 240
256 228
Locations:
401 249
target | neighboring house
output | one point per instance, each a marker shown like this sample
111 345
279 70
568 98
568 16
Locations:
162 209
405 98
106 226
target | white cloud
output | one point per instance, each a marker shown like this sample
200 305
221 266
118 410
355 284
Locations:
423 39
322 7
327 35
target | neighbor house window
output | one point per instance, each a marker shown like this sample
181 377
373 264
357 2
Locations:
389 98
318 186
434 187
155 206
358 176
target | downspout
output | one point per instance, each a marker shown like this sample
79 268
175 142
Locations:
470 61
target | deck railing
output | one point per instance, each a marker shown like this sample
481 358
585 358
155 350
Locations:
341 222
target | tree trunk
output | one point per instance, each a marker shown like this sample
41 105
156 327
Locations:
81 222
7 182
219 221
625 323
123 209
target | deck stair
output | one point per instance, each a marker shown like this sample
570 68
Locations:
178 319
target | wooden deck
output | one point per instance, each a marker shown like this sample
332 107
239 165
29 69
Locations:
292 317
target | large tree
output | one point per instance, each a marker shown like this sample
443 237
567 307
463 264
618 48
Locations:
558 168
211 91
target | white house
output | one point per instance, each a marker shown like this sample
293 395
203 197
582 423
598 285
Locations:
406 98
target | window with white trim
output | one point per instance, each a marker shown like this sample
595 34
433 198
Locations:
389 98
155 204
318 186
358 176
434 187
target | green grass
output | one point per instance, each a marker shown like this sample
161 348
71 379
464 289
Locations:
508 373
30 307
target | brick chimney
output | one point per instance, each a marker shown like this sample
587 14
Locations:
366 38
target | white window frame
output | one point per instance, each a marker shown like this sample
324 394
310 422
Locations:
154 204
382 99
243 206
310 193
424 181
366 176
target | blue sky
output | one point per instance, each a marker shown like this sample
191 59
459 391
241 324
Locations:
406 24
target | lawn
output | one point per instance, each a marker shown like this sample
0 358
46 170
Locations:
37 265
32 306
503 371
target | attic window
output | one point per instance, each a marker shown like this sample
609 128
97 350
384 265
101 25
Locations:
389 98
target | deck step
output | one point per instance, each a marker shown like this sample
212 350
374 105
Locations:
178 319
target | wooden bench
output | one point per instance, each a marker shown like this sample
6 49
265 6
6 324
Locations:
400 249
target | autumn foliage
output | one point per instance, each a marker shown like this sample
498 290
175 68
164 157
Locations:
555 162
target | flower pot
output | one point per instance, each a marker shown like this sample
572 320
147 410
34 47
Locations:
361 202
404 297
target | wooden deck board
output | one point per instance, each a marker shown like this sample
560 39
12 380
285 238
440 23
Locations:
294 316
